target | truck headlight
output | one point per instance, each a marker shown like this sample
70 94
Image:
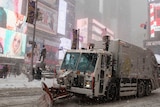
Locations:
88 84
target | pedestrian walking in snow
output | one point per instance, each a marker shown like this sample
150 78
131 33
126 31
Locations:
43 54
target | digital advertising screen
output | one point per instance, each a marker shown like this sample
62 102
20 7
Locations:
62 17
82 25
64 46
52 53
13 29
12 44
49 19
154 18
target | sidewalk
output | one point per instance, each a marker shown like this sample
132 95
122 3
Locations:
18 91
21 81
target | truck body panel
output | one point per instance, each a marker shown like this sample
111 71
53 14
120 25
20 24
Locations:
133 61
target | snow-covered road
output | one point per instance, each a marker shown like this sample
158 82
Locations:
149 101
30 101
31 98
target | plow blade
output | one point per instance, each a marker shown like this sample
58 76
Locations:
50 95
45 100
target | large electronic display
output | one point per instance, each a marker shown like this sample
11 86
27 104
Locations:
62 17
12 44
49 19
82 25
154 16
64 46
52 53
12 29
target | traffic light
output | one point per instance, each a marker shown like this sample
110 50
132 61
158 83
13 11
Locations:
31 11
75 39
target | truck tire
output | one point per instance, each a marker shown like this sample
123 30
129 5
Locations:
148 89
111 92
140 89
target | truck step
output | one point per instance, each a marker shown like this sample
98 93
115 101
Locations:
127 89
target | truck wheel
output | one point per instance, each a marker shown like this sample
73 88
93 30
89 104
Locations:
111 92
140 89
148 89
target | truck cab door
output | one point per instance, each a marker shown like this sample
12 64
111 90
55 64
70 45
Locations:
103 69
105 72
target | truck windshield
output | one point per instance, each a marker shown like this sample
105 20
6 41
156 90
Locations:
70 61
87 62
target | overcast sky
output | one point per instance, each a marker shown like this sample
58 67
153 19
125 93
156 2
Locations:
122 16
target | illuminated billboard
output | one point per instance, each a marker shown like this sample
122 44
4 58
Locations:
62 17
64 46
52 53
82 25
13 5
12 29
12 44
49 19
154 16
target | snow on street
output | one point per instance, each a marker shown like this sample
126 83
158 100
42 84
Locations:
18 92
148 101
21 81
30 100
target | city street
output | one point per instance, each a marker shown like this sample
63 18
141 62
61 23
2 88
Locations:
24 97
148 101
29 97
70 49
18 92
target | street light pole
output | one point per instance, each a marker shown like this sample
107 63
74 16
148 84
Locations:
33 40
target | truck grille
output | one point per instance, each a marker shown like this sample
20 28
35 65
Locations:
78 81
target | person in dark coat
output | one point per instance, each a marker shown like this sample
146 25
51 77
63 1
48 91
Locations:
43 54
33 73
39 73
5 71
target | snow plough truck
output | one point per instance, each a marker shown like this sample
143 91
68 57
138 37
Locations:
113 70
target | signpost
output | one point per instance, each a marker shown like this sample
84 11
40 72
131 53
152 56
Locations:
33 43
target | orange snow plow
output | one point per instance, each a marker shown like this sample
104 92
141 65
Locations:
50 95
